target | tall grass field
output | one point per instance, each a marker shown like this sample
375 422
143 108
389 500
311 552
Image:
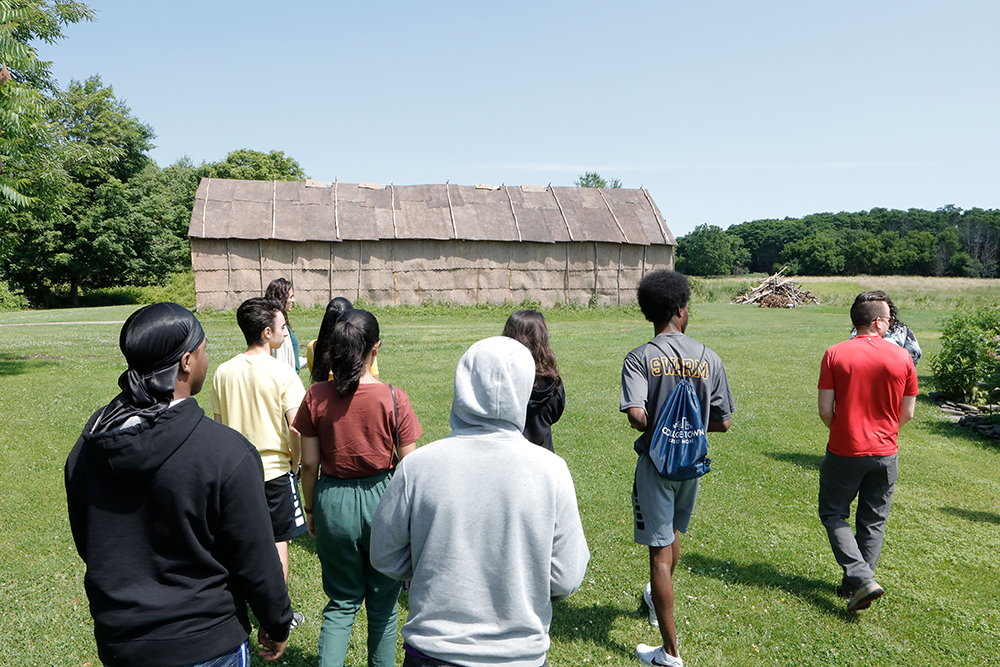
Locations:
756 579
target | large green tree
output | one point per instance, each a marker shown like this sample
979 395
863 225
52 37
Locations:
710 251
254 165
103 221
24 145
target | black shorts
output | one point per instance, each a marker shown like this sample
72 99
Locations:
285 506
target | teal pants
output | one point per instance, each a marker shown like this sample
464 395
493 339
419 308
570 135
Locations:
344 509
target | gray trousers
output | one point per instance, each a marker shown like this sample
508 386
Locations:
870 479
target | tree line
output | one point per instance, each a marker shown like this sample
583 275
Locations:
945 242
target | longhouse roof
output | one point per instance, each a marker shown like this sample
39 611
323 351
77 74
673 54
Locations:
323 211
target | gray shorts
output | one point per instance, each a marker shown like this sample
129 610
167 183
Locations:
660 506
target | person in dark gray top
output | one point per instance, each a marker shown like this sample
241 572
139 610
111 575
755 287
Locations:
662 508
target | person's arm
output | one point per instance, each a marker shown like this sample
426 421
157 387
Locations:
294 439
390 550
244 545
826 403
719 426
270 650
570 554
217 417
310 473
911 345
907 409
637 418
554 406
406 449
409 429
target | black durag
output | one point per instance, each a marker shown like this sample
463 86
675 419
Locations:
153 340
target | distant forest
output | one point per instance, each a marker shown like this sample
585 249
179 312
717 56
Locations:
945 242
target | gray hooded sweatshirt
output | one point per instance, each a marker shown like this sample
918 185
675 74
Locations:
484 522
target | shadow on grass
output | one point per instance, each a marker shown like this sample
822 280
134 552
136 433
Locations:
955 432
972 515
807 461
925 381
593 623
19 364
817 592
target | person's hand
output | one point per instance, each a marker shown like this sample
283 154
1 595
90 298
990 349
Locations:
270 649
311 524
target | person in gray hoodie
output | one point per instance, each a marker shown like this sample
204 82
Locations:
484 523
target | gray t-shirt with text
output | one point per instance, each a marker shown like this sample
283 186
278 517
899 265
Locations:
648 376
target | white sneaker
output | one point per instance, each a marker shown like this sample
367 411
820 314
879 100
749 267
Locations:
655 655
647 597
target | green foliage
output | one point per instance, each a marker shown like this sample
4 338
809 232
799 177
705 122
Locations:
816 255
253 165
178 288
11 300
23 78
948 242
967 368
592 179
710 251
101 216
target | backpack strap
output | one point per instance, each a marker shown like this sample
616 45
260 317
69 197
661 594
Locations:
395 428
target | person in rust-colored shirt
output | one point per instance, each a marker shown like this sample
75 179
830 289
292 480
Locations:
355 429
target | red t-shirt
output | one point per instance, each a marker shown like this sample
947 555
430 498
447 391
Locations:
869 377
355 432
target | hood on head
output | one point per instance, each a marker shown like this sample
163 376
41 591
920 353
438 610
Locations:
492 385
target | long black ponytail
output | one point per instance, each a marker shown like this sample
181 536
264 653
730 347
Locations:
321 351
354 335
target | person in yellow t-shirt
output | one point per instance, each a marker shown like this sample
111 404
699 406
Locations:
259 396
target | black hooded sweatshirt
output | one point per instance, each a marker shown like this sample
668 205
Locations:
172 522
548 398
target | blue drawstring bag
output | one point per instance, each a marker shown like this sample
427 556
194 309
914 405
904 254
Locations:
679 448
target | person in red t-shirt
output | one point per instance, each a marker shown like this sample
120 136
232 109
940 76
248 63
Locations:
354 431
867 391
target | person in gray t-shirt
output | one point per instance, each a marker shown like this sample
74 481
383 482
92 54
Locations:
662 508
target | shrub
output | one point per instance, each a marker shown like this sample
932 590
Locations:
10 300
968 363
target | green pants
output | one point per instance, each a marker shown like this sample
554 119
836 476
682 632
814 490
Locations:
344 509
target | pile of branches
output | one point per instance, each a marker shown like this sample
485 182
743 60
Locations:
777 292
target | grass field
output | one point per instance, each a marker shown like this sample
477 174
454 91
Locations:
756 579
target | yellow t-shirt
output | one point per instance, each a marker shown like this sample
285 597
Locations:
310 353
252 393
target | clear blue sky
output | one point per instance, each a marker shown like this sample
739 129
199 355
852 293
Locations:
725 110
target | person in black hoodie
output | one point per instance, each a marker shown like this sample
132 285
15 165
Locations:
548 398
168 512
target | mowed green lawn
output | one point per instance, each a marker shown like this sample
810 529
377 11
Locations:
756 579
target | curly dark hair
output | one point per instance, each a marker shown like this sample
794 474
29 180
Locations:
662 294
